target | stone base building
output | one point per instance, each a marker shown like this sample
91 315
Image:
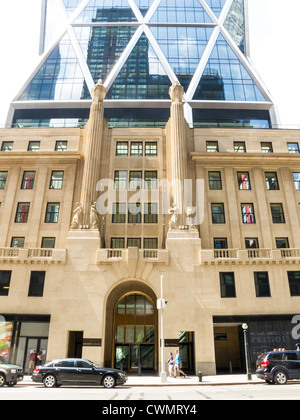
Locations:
75 282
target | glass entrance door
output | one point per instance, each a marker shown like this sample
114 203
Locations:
135 333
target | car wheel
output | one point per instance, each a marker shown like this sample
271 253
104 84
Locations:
280 378
49 381
11 384
109 381
2 380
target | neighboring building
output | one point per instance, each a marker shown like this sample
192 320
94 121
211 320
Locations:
78 281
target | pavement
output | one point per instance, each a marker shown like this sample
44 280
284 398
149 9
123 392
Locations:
189 380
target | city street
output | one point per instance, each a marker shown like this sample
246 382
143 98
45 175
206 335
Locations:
154 394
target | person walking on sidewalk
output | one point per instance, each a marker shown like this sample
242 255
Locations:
170 364
32 361
177 364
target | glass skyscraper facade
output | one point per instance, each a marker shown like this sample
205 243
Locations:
139 48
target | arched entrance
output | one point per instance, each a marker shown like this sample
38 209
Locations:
131 328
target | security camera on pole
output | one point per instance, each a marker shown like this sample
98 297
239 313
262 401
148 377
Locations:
162 305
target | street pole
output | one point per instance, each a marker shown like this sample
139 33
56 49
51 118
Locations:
245 328
163 375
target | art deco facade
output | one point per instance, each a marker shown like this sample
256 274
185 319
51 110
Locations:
78 281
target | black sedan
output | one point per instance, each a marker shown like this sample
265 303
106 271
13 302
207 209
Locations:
77 372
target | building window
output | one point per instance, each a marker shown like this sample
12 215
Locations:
7 146
248 215
135 180
33 146
150 243
215 181
134 213
227 285
218 213
150 213
122 148
296 176
56 181
134 243
22 213
271 181
262 286
52 212
282 243
151 148
17 242
212 146
293 147
36 285
266 147
136 148
3 178
239 147
48 243
61 146
120 180
117 243
251 243
151 180
277 213
5 276
28 180
119 213
244 181
220 243
294 282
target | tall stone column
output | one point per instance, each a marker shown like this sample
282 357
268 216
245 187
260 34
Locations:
85 213
178 151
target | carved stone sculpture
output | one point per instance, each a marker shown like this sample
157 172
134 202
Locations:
94 221
77 213
173 224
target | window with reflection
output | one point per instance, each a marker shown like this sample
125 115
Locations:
135 305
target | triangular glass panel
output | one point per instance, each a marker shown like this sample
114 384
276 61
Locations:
142 76
59 78
144 5
183 47
180 11
107 11
102 46
225 78
235 23
71 5
55 23
216 6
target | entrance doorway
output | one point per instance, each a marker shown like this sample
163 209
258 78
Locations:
37 344
135 333
228 355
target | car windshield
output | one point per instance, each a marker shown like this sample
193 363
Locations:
3 360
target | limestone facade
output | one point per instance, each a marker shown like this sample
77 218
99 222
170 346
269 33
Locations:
92 267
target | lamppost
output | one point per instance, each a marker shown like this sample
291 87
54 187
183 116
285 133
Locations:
245 328
162 304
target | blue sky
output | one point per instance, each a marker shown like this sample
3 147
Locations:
274 38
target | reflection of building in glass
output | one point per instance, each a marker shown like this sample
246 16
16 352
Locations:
139 48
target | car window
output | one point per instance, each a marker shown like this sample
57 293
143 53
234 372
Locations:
3 360
291 356
57 363
83 364
67 363
275 356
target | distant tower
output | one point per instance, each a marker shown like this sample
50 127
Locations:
139 48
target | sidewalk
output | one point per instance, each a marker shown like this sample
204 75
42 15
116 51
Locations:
153 380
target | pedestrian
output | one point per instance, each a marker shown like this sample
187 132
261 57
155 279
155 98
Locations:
177 364
39 358
32 361
171 363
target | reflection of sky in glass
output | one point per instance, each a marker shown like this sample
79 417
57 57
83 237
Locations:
180 11
60 77
216 6
144 5
71 5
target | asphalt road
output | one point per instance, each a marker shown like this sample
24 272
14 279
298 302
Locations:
152 395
